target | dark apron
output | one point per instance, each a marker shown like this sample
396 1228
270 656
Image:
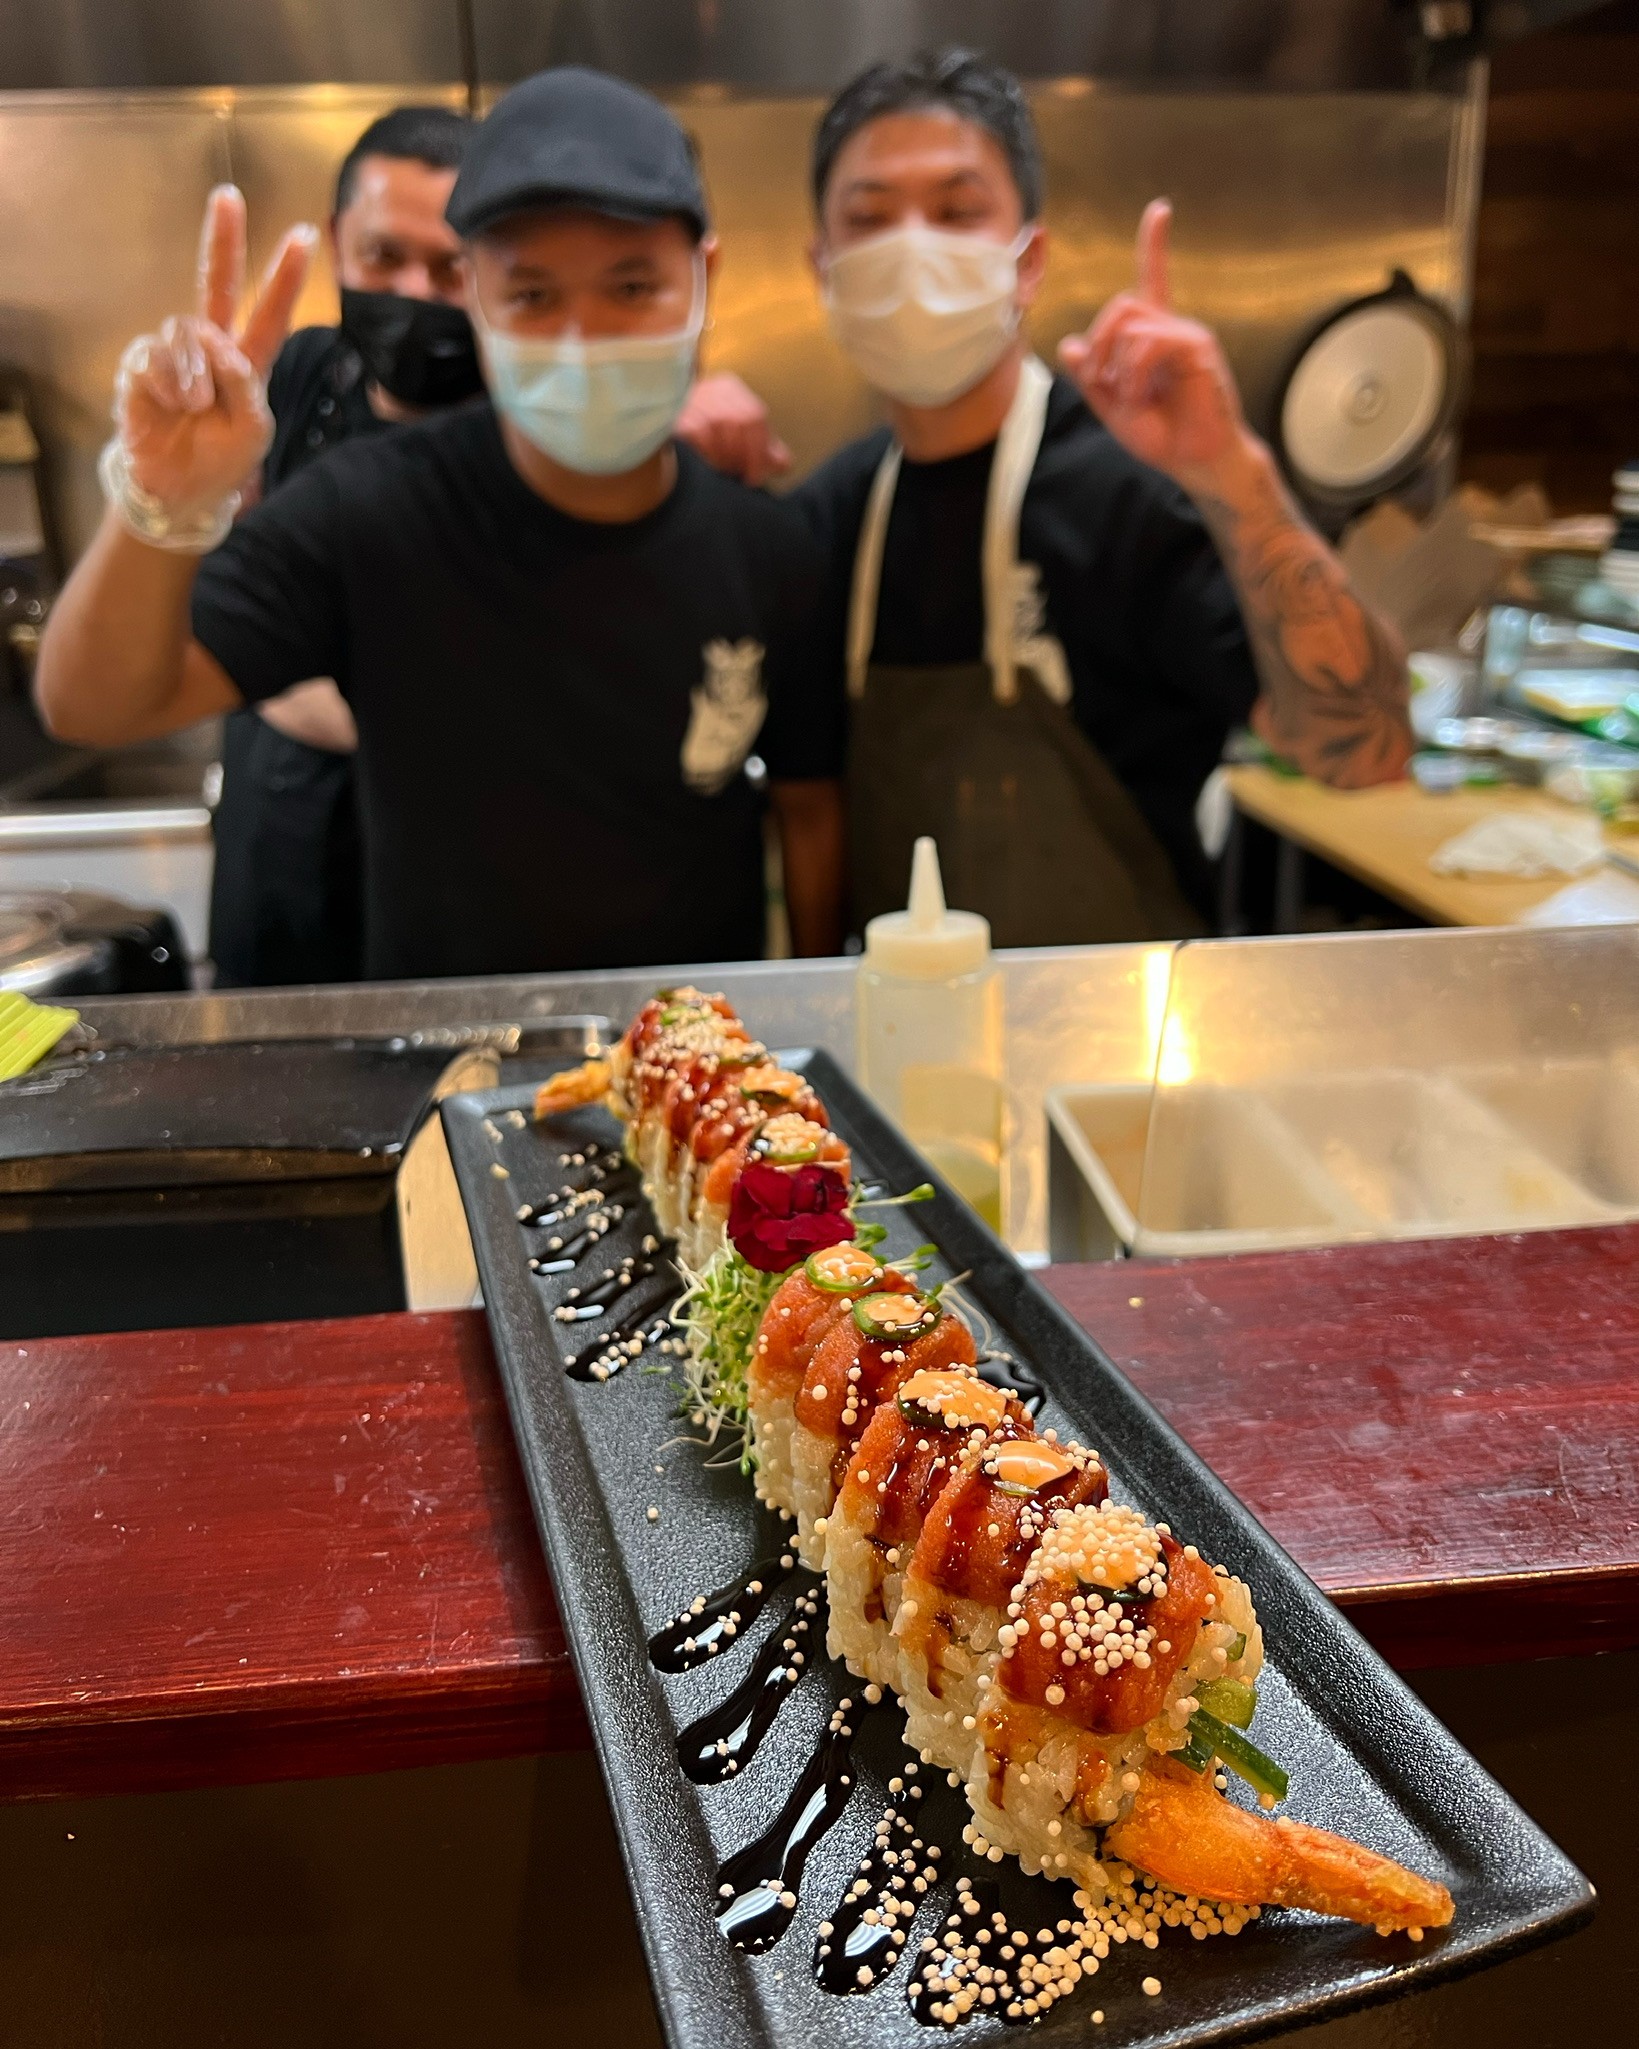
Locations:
1035 830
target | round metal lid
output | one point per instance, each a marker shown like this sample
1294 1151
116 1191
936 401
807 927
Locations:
38 948
28 926
1368 397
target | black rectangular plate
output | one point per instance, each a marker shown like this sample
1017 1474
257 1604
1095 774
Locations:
1366 1758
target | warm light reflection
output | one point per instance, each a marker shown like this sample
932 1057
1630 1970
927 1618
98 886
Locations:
1169 1045
1176 1061
1156 973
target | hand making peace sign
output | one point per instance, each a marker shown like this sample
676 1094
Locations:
1159 382
190 402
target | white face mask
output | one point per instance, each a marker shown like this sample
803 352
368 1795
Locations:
599 407
923 313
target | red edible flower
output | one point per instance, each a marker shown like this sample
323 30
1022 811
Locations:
778 1215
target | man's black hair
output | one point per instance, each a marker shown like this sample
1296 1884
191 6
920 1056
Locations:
420 135
957 80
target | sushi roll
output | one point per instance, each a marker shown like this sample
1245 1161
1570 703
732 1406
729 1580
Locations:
700 1100
731 1109
976 1541
804 1306
675 1047
910 1449
1111 1626
1081 1669
787 1145
860 1361
678 1043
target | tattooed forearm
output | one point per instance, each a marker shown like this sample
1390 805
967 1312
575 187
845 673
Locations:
1333 674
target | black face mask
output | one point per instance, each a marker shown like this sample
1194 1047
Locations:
419 351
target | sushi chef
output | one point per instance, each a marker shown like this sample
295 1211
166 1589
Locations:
559 632
1053 594
287 887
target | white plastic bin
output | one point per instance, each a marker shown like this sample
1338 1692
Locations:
1381 1154
1583 1115
1231 1178
1423 1158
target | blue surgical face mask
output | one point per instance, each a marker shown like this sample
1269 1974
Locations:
599 407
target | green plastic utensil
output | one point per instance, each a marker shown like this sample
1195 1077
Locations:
28 1031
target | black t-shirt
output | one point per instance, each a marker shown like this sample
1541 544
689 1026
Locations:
553 715
1132 588
316 393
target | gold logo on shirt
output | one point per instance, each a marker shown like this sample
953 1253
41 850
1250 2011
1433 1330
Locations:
727 708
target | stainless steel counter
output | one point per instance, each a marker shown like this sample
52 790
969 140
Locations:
1074 1014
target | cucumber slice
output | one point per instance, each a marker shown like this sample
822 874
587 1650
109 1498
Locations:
1243 1757
1196 1754
1231 1700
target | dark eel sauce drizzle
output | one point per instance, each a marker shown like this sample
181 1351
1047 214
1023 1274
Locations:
726 1739
600 1192
757 1887
713 1621
867 1929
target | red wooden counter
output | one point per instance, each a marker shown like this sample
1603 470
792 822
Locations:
294 1549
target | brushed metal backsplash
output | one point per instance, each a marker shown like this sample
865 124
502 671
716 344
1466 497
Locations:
1286 205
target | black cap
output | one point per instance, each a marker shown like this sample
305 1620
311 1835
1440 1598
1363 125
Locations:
572 137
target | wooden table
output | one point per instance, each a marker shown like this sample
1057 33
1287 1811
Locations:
1384 837
271 1551
296 1549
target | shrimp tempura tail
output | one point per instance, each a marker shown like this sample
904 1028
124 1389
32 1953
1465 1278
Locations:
575 1087
1183 1832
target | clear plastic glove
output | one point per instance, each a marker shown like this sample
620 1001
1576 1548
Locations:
725 421
1159 382
190 402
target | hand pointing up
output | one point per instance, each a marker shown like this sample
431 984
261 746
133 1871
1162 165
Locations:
190 402
1159 382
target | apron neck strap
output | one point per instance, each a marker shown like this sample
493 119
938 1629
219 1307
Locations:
862 600
1016 449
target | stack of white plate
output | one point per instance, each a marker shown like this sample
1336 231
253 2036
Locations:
1620 565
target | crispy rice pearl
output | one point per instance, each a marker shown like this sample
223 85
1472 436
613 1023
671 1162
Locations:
1107 1546
975 1964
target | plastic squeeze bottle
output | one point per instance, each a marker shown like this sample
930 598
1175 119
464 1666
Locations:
930 1033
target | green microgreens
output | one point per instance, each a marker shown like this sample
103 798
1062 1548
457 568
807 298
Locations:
718 1316
925 1192
915 1262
